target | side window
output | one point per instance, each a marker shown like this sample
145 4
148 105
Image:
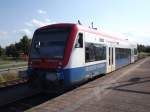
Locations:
89 52
79 42
135 51
100 52
94 52
122 53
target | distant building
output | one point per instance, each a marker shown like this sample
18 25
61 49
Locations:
23 56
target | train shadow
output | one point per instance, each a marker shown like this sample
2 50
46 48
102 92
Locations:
127 86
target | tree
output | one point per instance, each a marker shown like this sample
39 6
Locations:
1 51
25 44
14 50
147 49
11 51
142 48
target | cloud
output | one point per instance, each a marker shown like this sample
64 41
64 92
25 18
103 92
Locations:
3 33
35 23
38 23
48 20
26 32
144 34
41 11
43 21
141 37
29 24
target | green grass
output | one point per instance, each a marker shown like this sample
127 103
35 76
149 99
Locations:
6 66
4 62
10 60
143 54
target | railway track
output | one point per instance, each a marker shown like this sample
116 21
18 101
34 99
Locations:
27 102
18 95
12 83
13 93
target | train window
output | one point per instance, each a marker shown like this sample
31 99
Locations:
112 55
89 52
94 52
79 42
48 44
109 56
37 45
100 52
123 53
135 51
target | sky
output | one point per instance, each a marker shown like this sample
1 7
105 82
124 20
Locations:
130 18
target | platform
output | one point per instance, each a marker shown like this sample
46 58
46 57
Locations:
125 90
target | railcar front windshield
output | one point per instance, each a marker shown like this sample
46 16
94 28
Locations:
49 43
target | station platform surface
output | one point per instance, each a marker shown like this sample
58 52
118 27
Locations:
124 90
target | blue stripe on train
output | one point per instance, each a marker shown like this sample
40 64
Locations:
122 62
74 75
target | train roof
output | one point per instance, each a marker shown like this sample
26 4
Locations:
105 34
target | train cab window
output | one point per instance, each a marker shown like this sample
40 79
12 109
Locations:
79 42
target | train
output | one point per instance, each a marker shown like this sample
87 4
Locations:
66 54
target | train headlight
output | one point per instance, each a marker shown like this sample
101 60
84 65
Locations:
51 76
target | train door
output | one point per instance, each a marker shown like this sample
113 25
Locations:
110 59
132 55
77 55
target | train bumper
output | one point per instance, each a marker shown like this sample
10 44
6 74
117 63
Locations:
48 81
